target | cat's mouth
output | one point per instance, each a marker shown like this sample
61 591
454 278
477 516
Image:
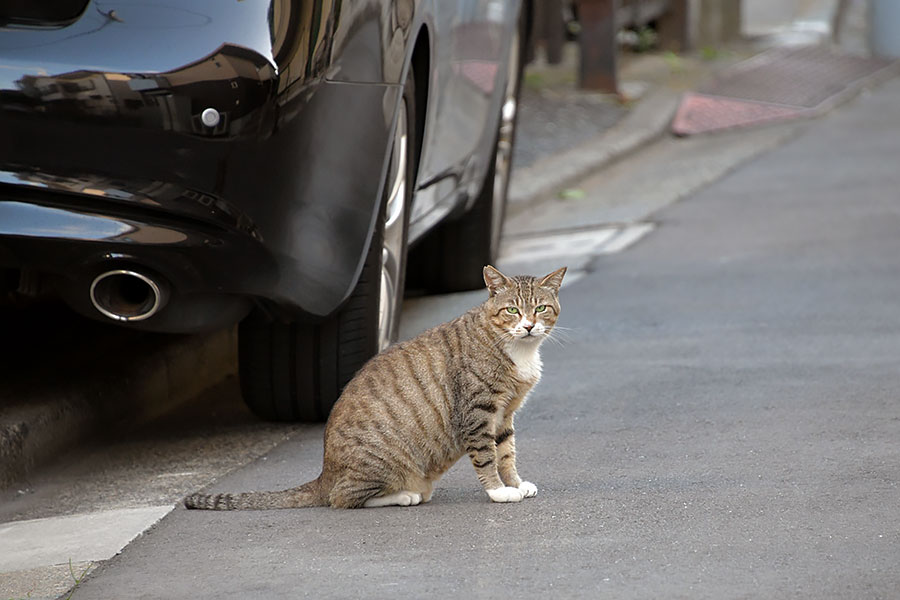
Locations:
529 335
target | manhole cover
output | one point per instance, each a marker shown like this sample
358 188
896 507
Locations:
779 84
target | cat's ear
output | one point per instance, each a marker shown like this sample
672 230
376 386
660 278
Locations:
494 279
554 279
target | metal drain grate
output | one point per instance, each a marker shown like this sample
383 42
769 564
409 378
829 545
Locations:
778 84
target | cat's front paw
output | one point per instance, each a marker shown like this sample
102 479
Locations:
506 494
528 488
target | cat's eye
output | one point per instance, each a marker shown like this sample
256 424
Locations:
512 310
540 308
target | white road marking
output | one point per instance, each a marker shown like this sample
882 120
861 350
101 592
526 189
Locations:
590 242
540 247
626 237
79 538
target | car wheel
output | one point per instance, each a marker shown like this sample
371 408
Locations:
453 258
294 371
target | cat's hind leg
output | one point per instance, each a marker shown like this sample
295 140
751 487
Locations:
415 490
426 497
404 498
353 492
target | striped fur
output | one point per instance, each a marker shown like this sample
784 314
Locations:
415 409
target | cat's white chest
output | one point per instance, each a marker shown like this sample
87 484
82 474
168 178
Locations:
527 359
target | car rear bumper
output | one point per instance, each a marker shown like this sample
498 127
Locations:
275 202
209 272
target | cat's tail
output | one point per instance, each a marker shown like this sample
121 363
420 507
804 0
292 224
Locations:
308 494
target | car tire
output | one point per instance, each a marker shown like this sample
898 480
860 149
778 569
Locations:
452 258
295 371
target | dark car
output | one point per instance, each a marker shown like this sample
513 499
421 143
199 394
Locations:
185 166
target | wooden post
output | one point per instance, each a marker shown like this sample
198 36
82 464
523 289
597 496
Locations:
674 27
598 47
537 32
718 22
548 31
837 20
555 34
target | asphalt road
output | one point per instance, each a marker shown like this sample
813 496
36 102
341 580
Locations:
722 421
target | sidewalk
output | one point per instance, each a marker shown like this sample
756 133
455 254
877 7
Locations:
555 115
565 134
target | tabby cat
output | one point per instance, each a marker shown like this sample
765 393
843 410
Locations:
416 408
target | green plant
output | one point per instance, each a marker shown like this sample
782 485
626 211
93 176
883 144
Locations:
646 39
533 80
571 194
675 62
77 578
709 53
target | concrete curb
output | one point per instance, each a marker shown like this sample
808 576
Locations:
159 375
647 122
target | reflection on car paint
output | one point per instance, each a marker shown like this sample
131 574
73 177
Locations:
234 81
57 223
159 194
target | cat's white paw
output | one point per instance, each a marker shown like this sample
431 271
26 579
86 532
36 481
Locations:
506 494
528 488
403 498
409 498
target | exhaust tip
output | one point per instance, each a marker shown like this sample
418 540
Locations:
126 295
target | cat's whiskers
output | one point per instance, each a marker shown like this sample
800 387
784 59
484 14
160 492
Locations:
559 337
554 339
503 340
563 332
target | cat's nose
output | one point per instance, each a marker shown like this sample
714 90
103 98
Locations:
528 326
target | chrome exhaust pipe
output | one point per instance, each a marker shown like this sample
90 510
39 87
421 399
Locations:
127 295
